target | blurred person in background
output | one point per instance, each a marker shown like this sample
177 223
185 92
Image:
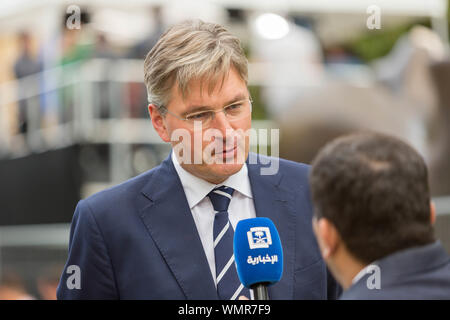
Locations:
293 62
140 50
12 287
47 282
77 46
154 236
138 96
374 220
24 66
103 50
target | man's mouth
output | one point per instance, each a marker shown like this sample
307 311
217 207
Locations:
228 151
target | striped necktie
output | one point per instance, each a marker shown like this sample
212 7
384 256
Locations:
228 285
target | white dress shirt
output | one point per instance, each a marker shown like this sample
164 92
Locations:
196 191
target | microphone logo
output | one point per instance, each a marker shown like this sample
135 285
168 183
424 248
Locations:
259 237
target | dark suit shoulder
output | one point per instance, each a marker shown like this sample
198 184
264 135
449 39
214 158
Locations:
299 170
295 175
421 272
124 195
281 166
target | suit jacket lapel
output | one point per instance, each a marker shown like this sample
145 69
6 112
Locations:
170 223
273 201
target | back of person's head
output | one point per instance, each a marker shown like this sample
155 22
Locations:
374 189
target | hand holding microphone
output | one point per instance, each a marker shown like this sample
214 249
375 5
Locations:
258 255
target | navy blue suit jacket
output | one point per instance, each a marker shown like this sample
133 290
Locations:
138 240
415 273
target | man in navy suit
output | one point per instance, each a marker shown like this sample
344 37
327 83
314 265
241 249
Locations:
154 236
374 220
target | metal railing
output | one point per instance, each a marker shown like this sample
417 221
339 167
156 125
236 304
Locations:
64 106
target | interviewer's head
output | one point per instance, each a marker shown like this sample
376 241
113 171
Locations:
196 67
371 198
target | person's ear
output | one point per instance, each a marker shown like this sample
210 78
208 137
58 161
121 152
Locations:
158 122
327 236
432 213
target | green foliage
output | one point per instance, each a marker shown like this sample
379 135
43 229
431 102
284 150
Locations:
258 107
374 44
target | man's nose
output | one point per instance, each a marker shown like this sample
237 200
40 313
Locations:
221 123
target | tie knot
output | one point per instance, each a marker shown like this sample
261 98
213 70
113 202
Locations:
220 198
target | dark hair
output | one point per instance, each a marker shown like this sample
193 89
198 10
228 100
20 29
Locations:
374 189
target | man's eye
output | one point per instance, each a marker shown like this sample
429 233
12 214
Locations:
233 107
199 116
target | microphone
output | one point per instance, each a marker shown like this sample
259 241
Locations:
258 255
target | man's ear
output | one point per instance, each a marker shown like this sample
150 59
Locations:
327 236
432 213
158 122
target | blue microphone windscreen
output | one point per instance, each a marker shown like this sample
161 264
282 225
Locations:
258 252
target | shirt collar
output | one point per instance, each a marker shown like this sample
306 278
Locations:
196 189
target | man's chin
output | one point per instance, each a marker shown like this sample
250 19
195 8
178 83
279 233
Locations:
213 172
219 172
226 169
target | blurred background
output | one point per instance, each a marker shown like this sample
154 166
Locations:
73 110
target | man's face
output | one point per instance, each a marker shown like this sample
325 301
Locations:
218 150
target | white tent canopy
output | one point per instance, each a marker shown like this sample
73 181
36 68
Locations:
14 13
435 8
432 8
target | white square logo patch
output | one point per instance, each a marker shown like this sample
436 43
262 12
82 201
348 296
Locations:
259 237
